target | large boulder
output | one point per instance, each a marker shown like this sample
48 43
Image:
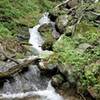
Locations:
49 64
68 72
61 23
45 27
46 31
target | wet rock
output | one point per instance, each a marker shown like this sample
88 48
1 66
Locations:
49 65
45 66
61 23
72 81
45 28
46 31
48 69
57 80
47 45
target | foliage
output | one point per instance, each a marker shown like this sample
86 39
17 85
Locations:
86 70
16 14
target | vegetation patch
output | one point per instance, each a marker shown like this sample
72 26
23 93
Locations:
14 15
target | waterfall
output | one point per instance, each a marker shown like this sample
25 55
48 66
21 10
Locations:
35 37
47 94
30 83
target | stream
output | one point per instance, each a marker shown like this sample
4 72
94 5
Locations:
30 84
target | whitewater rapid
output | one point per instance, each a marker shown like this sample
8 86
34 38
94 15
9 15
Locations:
33 75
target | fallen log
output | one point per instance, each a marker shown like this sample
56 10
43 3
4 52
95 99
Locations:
24 63
6 56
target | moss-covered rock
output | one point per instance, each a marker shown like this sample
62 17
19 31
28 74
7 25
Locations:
61 22
53 15
46 31
57 80
49 64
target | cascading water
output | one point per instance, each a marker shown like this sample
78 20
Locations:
35 37
30 83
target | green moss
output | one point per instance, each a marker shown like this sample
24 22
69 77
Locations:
47 35
68 54
87 32
18 13
4 32
65 49
64 43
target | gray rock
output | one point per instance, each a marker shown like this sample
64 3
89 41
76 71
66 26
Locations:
68 72
61 22
47 67
45 27
46 31
57 80
65 70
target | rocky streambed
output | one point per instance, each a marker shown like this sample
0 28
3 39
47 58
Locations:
65 55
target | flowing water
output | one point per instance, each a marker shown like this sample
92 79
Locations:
30 84
35 37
